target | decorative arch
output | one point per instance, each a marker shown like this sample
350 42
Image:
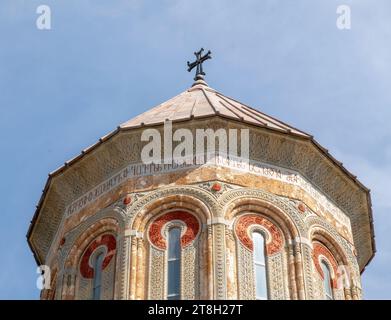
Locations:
317 233
106 244
274 238
95 229
320 252
157 236
80 240
328 243
191 257
276 260
251 200
106 240
284 214
282 219
146 256
193 199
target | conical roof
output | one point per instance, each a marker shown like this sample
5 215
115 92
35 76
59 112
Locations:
201 101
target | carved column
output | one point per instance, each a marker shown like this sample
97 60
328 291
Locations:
291 272
307 264
140 272
299 271
219 260
205 258
231 265
124 269
210 263
133 264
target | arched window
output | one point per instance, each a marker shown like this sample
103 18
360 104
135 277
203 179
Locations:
172 238
174 264
97 281
96 274
327 280
259 266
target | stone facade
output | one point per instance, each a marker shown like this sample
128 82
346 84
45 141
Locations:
304 203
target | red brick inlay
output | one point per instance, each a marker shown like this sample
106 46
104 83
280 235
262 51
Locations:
246 221
320 249
155 234
107 240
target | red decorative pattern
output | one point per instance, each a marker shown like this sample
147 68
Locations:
318 250
155 230
302 207
127 200
246 221
216 187
107 240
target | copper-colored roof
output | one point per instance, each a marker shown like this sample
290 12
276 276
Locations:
202 101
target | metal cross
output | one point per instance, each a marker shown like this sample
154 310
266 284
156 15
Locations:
198 63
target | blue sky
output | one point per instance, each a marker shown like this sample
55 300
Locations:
104 62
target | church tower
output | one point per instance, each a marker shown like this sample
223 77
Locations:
269 215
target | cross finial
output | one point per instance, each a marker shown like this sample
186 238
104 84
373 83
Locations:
198 63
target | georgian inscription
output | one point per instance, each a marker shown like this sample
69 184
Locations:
131 171
233 163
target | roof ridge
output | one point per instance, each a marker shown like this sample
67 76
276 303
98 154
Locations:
236 107
210 103
193 107
264 114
